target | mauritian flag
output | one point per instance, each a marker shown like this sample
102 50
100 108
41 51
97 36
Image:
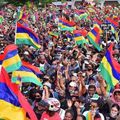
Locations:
33 68
82 16
66 22
11 60
54 34
69 36
1 58
26 36
79 39
66 25
110 68
26 75
112 21
94 37
13 105
1 19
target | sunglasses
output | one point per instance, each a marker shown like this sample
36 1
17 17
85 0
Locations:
93 106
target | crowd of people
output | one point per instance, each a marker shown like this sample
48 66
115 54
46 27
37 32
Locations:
73 88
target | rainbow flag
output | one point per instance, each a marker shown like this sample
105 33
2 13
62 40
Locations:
109 68
79 39
94 37
25 35
26 75
111 21
13 104
11 60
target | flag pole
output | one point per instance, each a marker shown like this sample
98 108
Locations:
15 31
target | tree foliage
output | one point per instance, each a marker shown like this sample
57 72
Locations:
23 2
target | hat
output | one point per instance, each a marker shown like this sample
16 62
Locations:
95 97
54 104
73 84
47 84
116 90
26 53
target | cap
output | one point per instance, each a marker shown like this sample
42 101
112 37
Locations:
26 53
73 84
54 104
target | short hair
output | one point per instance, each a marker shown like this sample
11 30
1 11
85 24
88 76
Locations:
116 105
97 116
83 117
69 111
91 86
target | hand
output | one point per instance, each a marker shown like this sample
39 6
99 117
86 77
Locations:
99 78
69 103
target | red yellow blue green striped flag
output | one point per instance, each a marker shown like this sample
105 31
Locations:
79 39
94 37
26 75
13 105
26 36
11 61
109 68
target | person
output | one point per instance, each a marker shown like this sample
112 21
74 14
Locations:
81 117
68 115
114 98
93 111
52 112
114 113
40 108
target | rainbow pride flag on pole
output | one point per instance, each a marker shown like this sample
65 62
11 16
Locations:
11 60
109 68
13 105
94 37
26 36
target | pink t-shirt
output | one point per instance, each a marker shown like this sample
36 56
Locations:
45 116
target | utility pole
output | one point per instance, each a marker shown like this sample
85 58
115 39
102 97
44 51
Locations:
73 4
